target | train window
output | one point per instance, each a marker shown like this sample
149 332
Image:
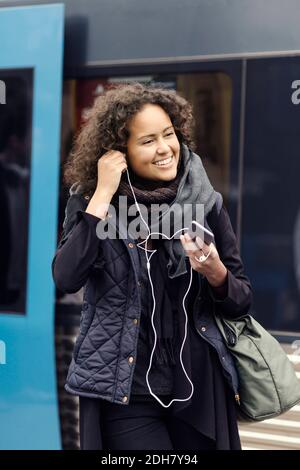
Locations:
15 150
271 201
210 94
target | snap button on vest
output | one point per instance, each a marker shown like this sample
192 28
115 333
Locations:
130 359
203 328
135 320
131 245
124 399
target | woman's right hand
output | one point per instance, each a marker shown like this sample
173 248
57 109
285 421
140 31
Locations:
110 168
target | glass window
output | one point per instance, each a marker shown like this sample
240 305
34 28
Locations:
271 197
15 152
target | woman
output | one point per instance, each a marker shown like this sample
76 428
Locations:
174 387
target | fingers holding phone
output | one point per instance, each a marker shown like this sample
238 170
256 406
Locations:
192 250
198 245
200 234
194 246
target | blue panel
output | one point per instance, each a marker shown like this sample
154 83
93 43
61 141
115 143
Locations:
33 37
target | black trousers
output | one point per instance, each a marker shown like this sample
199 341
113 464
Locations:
140 425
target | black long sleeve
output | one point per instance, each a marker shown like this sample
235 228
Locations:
238 298
78 247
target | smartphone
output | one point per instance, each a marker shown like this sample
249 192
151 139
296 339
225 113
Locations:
197 230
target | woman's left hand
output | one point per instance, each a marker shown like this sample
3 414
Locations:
212 268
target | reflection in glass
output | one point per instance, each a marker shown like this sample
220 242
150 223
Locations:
15 150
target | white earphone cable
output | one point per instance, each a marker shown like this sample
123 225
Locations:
154 304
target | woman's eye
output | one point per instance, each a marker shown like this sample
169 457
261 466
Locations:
149 141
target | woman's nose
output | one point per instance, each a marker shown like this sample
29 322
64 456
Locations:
162 146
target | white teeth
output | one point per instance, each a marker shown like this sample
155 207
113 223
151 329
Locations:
164 162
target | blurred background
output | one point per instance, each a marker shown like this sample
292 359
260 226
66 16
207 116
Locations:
238 63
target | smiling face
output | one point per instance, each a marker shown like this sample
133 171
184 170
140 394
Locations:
152 139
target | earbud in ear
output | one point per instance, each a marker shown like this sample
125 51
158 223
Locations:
202 258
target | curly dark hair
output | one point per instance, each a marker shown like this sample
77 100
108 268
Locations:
106 127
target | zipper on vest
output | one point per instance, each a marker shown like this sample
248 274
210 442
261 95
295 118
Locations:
237 399
231 338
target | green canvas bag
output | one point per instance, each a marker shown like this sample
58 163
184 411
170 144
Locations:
268 385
